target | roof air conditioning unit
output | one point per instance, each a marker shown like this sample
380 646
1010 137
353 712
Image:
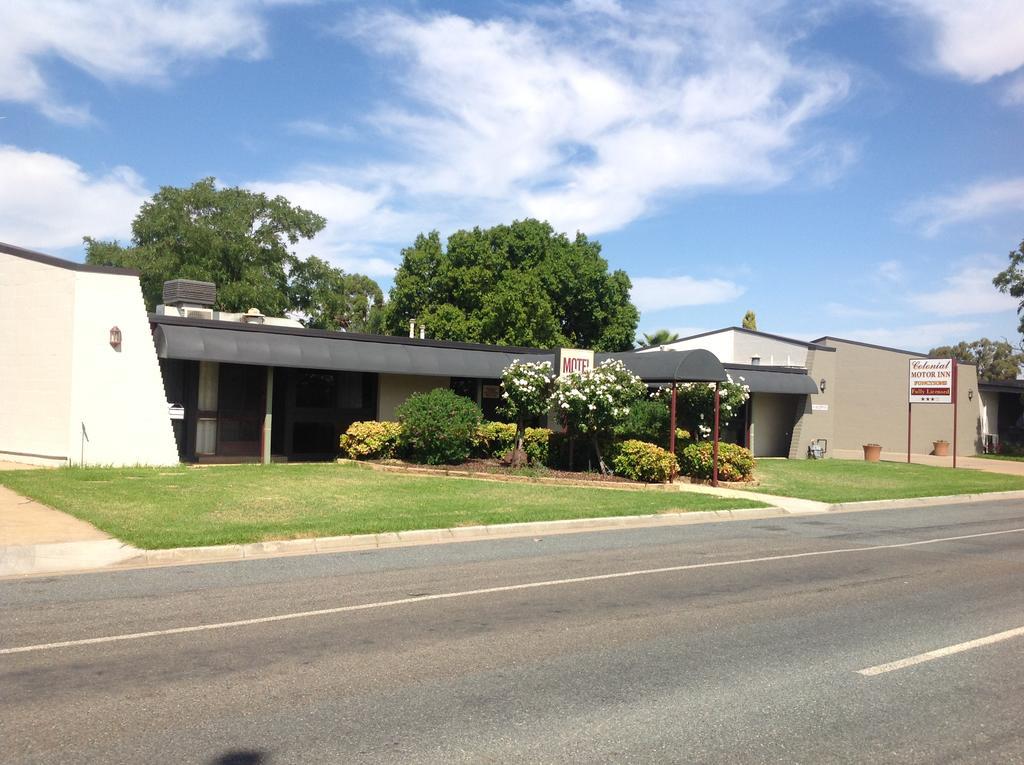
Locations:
199 313
182 292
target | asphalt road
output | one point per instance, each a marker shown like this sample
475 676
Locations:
731 642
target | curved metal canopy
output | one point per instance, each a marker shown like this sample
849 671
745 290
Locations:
697 365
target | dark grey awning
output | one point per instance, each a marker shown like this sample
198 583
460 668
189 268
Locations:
267 347
665 366
774 381
226 342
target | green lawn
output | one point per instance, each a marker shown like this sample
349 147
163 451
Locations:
851 481
157 508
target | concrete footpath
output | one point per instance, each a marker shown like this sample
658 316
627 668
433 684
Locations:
65 544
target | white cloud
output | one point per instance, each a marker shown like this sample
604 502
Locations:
914 337
49 202
652 293
588 123
358 221
979 200
975 40
320 129
967 292
112 40
891 271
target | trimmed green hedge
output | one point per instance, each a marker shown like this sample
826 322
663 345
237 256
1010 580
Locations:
642 461
734 462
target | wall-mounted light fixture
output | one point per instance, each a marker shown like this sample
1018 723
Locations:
970 394
821 385
115 338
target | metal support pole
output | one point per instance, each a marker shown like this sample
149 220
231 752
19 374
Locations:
268 416
714 448
672 421
956 394
909 409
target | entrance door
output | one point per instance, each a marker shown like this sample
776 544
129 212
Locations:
241 405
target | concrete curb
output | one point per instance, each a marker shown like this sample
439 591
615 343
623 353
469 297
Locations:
951 499
114 555
129 557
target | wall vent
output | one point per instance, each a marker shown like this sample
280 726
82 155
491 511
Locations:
199 313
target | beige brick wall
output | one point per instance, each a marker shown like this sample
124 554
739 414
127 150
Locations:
871 404
393 390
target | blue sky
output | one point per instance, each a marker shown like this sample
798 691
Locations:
843 168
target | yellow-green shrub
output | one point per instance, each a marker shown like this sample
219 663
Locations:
734 462
642 461
535 441
495 439
369 439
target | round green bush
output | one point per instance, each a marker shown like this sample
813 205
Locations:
439 427
642 461
734 462
371 440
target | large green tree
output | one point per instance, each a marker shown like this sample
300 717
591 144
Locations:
240 240
1011 281
518 284
995 359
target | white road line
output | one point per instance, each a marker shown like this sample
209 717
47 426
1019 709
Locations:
938 653
484 591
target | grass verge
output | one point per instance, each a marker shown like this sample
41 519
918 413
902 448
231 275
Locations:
835 480
1004 457
157 508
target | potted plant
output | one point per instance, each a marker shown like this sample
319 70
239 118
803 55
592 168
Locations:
940 448
872 452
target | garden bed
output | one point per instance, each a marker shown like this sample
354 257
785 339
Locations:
496 470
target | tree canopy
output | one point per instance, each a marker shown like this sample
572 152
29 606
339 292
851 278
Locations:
239 240
995 359
1011 281
750 320
518 284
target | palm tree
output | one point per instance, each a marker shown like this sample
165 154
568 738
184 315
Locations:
659 337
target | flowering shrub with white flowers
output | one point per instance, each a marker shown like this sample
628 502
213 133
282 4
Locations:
697 403
526 388
594 400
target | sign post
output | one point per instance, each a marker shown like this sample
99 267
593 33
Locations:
932 381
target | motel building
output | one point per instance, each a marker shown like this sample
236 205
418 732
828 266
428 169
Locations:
88 377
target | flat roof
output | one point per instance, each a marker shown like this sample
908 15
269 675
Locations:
69 265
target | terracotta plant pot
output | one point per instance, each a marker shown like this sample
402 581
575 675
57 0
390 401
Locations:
940 448
872 452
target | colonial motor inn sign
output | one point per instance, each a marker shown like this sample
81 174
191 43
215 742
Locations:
574 360
931 381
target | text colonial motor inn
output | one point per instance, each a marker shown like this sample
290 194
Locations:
89 377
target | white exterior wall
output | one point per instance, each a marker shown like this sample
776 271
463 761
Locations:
60 370
732 347
989 414
772 352
719 343
393 390
36 305
119 395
